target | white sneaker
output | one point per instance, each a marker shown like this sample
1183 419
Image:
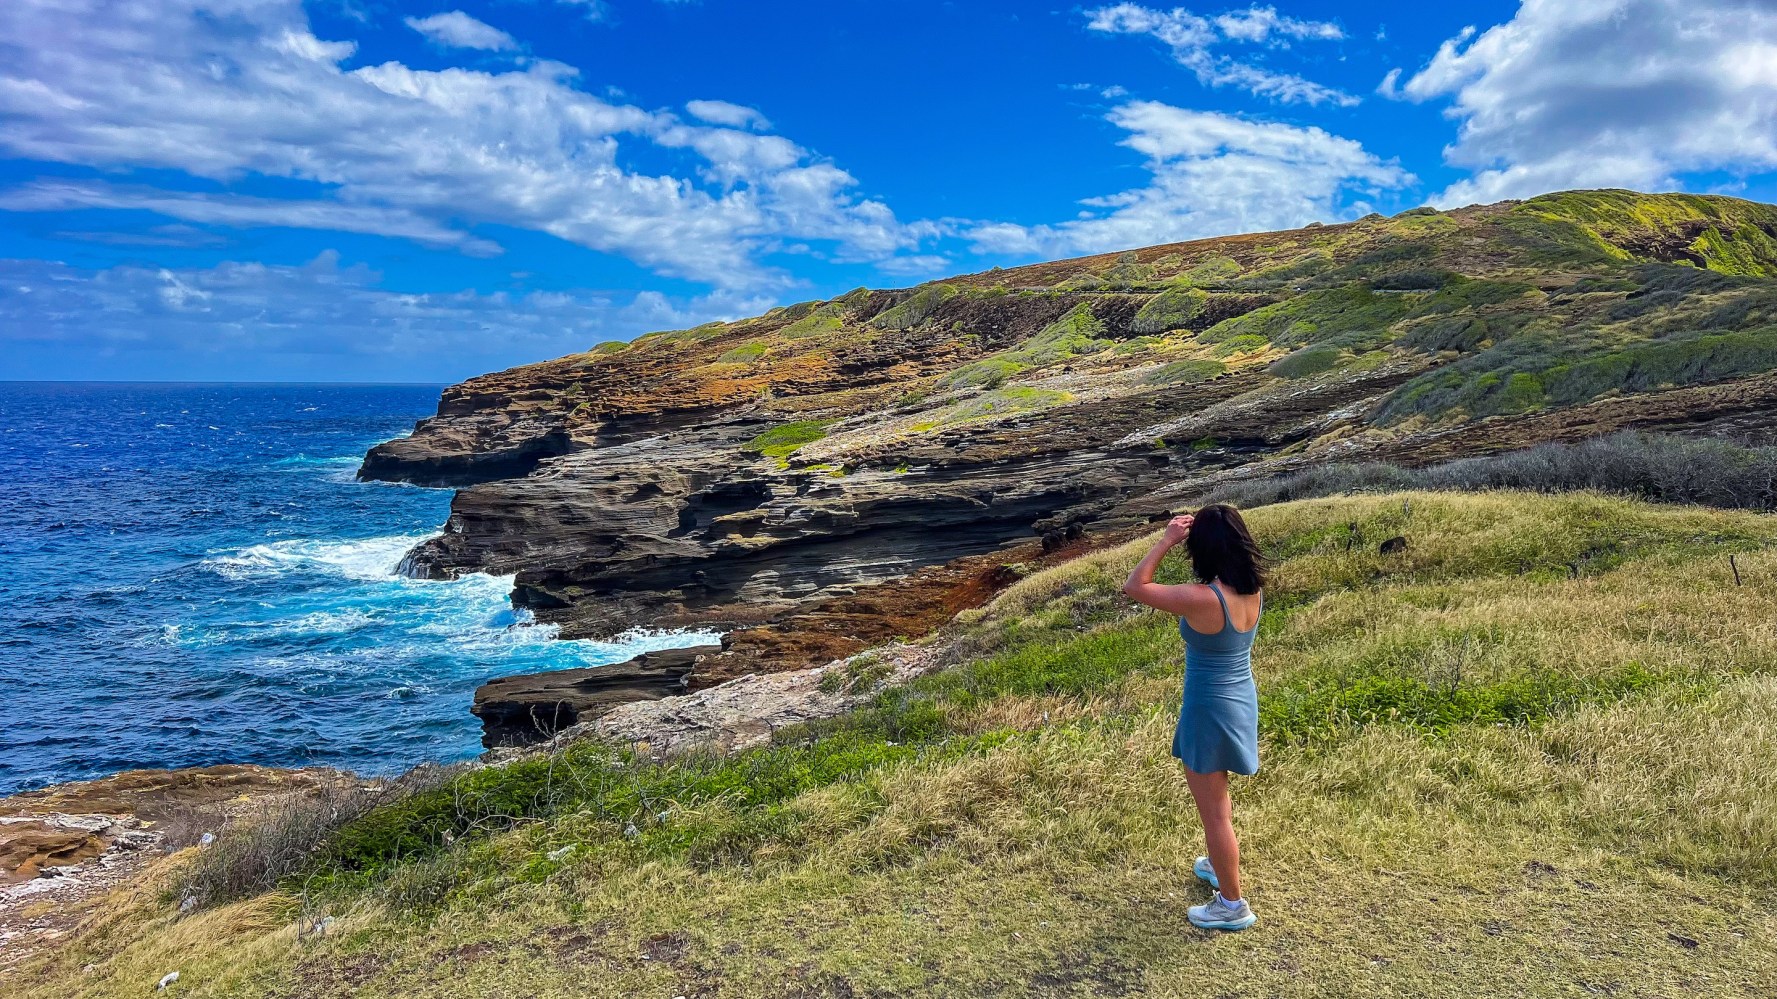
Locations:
1220 914
1206 871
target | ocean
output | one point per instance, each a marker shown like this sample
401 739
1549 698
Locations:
190 575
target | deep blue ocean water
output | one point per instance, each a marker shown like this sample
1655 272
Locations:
189 574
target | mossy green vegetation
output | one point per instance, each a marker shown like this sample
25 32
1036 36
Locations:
1172 309
1352 316
1075 334
1186 372
916 309
1211 271
996 404
743 353
1308 361
1482 736
782 441
826 318
1628 226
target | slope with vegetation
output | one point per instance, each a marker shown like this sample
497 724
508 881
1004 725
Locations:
774 475
1529 751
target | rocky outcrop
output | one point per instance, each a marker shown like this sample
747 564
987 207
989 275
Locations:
748 711
518 710
800 477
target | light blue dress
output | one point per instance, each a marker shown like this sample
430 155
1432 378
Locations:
1218 724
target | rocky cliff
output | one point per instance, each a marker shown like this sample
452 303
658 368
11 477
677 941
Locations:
833 473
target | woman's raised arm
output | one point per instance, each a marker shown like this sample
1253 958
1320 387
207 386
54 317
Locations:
1140 585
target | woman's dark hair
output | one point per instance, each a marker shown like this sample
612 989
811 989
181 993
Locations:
1222 548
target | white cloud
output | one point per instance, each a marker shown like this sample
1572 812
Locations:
1192 40
228 92
724 113
915 266
319 308
1616 93
1259 24
1212 174
458 30
239 210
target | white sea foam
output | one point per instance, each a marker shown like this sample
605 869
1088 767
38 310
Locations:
365 559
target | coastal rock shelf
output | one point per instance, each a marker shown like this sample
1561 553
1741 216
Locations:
519 710
799 478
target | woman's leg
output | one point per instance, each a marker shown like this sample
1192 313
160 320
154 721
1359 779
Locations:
1210 791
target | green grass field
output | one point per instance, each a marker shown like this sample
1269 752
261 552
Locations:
1529 756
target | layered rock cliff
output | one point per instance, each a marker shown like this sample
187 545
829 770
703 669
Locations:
821 469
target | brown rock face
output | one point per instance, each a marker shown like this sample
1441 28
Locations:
808 475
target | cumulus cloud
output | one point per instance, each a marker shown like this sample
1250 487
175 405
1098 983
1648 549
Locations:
1617 93
1193 39
229 91
1212 174
253 309
456 29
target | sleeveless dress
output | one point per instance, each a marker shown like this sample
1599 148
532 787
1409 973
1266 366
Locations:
1218 724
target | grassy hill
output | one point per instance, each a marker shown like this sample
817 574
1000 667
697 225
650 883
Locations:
1527 756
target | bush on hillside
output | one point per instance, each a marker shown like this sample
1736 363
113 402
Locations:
286 836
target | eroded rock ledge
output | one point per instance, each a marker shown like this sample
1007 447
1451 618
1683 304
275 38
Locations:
519 710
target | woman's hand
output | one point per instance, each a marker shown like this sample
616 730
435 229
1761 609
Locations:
1178 529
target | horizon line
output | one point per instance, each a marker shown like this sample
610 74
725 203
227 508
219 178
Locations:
194 381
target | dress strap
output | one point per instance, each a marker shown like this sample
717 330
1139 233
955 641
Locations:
1227 618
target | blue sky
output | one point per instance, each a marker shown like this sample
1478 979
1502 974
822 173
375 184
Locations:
350 190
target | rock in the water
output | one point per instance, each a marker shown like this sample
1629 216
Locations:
531 707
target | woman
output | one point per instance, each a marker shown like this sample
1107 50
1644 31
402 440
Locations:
1218 725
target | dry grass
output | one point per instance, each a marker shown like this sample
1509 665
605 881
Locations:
1621 843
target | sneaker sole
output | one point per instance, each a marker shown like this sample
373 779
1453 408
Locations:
1232 925
1208 879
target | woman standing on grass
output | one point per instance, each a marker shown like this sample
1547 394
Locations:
1218 725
